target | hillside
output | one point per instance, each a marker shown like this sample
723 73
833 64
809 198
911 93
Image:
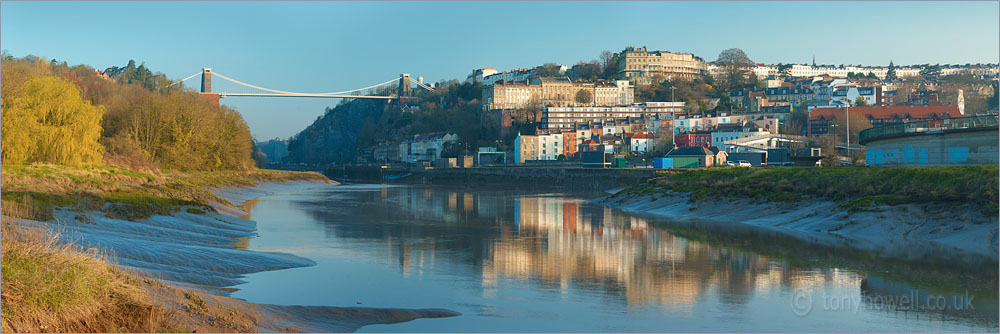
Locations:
344 131
333 137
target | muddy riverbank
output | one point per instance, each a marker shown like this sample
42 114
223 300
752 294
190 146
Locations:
194 258
914 232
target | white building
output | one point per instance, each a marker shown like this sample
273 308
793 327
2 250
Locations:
823 89
426 147
479 74
620 93
550 146
565 117
727 132
519 74
641 143
849 95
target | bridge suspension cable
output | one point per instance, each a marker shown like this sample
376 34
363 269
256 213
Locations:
418 83
309 94
183 80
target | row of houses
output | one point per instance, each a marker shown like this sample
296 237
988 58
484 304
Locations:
637 136
842 71
555 91
489 75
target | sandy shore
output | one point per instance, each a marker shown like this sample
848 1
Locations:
193 256
908 231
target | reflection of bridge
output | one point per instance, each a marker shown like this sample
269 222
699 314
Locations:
396 88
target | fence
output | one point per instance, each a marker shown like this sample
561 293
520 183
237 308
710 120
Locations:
978 121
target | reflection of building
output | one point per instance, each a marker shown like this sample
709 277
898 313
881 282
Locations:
560 244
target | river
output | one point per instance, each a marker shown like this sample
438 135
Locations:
516 260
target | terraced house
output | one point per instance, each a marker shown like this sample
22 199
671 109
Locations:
641 66
555 92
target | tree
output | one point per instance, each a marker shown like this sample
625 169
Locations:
858 122
736 66
797 122
931 72
585 71
871 75
891 73
995 100
46 120
785 70
584 97
861 102
548 70
610 64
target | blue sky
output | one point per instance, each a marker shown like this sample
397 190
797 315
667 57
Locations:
329 46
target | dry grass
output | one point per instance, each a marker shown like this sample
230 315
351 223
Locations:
53 287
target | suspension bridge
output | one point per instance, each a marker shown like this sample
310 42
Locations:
400 88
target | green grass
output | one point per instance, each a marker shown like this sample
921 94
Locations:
122 193
137 205
857 188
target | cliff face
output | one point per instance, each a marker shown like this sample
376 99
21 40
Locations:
333 138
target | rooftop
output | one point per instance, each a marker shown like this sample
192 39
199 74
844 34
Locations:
898 112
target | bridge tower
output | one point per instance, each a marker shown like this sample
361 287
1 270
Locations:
206 87
404 85
206 80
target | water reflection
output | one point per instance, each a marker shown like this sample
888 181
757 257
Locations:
566 247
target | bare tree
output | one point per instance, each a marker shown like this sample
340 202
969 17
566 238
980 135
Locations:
736 65
609 64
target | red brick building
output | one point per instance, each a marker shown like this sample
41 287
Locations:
693 138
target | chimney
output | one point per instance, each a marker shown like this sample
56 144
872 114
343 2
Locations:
961 102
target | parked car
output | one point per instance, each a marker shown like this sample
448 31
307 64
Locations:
744 163
728 163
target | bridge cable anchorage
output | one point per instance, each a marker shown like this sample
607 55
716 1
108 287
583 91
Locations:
296 93
185 79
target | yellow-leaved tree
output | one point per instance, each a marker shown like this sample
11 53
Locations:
45 120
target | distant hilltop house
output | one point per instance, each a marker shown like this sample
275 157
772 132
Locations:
478 75
102 75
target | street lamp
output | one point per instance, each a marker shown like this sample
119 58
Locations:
847 112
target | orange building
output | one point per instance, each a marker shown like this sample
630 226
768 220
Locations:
569 143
